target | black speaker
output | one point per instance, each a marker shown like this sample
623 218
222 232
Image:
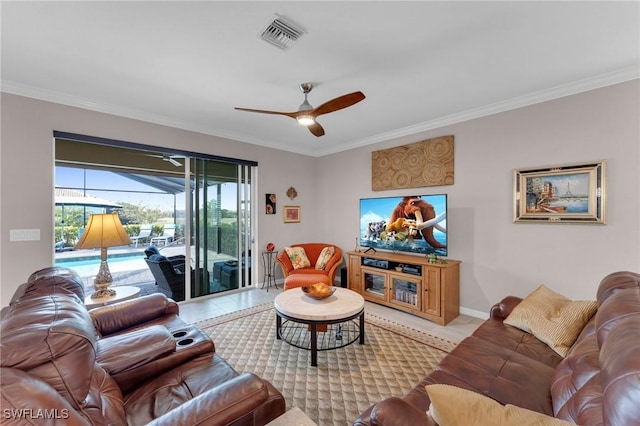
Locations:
344 278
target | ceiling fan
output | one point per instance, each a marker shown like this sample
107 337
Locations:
306 114
166 157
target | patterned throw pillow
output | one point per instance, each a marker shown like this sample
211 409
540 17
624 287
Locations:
325 255
298 257
552 318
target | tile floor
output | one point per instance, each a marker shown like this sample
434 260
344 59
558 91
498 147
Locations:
455 331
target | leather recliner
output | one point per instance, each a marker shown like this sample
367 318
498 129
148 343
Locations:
130 363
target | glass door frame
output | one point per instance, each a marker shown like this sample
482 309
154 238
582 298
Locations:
246 191
196 200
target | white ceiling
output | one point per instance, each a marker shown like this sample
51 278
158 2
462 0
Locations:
421 64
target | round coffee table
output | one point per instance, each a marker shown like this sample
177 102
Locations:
303 314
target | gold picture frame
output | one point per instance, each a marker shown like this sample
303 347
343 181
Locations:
568 193
291 214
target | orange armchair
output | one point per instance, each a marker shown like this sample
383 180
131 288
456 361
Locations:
310 275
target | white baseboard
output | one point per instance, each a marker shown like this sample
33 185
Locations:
474 313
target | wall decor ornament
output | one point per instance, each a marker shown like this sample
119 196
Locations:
292 193
270 203
568 193
420 164
291 214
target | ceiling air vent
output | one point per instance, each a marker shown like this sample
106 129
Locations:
282 33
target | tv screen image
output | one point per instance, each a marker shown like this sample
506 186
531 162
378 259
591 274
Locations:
416 224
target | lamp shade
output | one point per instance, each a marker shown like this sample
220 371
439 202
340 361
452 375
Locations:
103 230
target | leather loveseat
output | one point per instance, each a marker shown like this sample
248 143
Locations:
311 274
596 383
132 363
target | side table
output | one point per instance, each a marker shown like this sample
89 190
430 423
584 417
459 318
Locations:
295 416
269 265
123 292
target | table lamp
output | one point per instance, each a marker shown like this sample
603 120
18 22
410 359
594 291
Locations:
103 230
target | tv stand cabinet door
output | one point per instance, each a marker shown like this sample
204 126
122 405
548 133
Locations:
355 280
375 283
432 291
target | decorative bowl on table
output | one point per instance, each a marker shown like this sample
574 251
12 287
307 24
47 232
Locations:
318 290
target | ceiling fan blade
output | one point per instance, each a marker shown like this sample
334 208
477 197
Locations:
262 111
316 129
339 103
174 162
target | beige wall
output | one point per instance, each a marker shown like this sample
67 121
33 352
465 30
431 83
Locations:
499 257
27 171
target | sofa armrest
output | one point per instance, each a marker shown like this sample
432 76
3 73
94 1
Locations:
333 265
398 412
501 311
179 266
284 262
111 319
225 404
123 352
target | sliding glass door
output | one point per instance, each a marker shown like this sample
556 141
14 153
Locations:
221 225
196 205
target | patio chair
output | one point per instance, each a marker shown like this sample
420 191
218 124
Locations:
167 236
171 281
177 261
143 236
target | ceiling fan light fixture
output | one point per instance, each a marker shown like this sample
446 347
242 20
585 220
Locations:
306 114
305 120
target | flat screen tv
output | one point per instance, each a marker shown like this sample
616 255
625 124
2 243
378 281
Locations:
416 224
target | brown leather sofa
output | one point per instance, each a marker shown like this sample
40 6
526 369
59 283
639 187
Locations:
597 383
132 363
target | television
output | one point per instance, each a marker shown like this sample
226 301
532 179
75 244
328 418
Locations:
415 224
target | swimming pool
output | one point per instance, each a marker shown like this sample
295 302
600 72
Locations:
86 267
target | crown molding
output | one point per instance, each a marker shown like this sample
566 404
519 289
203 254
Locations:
584 85
580 86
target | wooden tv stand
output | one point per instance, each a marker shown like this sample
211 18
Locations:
408 283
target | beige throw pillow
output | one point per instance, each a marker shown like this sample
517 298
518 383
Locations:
325 255
453 406
298 257
552 318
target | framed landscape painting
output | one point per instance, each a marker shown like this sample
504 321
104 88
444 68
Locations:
570 193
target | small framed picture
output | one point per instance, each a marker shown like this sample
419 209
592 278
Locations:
270 203
570 193
291 214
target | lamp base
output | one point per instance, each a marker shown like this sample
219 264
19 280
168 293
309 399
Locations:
104 293
103 280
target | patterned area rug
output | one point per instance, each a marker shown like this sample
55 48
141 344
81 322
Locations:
346 381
